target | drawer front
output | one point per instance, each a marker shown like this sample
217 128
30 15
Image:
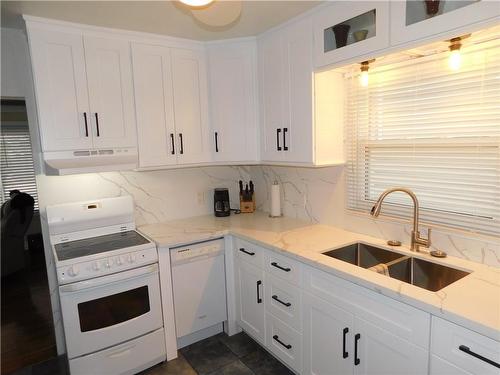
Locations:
402 320
284 300
283 267
284 342
439 366
249 252
460 347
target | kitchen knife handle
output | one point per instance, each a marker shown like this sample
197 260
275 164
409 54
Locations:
182 144
86 125
278 147
216 142
173 143
285 147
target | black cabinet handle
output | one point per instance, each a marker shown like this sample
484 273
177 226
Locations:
86 125
287 346
467 350
97 124
285 147
278 147
345 354
247 252
216 142
287 304
182 144
259 300
356 339
286 269
172 142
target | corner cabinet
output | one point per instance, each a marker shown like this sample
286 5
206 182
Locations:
232 70
83 86
290 130
412 20
171 105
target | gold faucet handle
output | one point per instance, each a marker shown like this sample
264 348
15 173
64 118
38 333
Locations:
429 231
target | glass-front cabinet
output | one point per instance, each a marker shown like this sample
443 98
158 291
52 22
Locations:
417 19
346 30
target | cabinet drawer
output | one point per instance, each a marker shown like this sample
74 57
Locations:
284 342
283 267
439 366
461 347
397 318
249 252
284 300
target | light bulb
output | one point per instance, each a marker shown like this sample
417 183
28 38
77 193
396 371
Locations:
364 78
454 60
196 3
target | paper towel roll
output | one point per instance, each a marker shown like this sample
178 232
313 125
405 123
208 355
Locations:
275 200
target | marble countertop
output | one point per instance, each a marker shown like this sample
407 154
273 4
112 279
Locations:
473 301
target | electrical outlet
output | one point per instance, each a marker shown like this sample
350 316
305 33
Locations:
201 198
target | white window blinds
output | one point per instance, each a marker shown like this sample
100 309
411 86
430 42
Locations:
420 125
16 158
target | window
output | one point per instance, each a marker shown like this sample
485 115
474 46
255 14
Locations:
16 158
420 125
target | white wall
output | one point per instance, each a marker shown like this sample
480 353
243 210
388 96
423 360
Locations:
318 196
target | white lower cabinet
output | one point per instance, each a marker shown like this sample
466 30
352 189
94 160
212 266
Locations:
250 299
284 342
439 366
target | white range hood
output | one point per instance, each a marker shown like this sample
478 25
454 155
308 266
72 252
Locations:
89 161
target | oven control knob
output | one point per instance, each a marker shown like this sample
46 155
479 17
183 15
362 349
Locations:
73 271
96 266
131 258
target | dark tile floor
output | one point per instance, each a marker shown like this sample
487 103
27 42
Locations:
217 355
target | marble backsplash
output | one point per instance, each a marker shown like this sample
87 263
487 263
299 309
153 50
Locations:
318 195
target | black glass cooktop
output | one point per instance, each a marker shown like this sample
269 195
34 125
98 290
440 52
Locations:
96 245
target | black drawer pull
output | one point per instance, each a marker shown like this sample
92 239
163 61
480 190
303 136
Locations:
345 354
356 339
172 142
286 269
182 144
287 304
467 350
216 142
285 147
278 147
259 300
97 124
247 252
287 346
86 125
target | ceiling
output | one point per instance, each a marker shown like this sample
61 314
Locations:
159 17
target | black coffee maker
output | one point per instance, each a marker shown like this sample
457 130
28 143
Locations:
221 202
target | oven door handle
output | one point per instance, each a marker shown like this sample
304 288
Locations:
109 279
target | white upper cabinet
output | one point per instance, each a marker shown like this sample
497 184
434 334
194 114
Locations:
109 75
233 100
58 61
346 30
84 90
414 20
154 103
190 91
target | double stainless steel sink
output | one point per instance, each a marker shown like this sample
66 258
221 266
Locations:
415 271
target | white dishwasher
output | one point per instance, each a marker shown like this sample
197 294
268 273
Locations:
199 286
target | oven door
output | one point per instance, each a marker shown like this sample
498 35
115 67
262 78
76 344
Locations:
109 310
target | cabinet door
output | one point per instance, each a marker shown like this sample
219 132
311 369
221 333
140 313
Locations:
61 89
371 17
232 70
376 351
410 21
250 299
273 95
109 72
154 105
328 333
297 135
189 79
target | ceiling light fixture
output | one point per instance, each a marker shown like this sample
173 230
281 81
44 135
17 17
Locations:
196 3
455 60
363 77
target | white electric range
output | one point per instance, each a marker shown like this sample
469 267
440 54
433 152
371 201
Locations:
108 286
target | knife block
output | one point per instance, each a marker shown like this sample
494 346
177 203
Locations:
246 205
